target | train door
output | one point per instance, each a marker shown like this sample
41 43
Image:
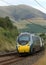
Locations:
36 43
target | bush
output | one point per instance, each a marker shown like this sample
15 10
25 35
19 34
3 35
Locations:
43 36
8 34
6 23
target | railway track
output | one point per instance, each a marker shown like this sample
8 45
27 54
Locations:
10 61
7 59
13 58
8 53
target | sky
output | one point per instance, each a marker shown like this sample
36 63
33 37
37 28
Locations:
26 2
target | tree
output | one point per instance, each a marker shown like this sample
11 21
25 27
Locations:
6 23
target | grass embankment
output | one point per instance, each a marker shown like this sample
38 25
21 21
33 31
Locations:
8 34
42 60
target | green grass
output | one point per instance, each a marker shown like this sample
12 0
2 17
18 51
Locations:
8 35
7 42
29 26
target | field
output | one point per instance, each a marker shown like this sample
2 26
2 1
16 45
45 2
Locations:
31 26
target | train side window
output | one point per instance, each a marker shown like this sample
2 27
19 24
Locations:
36 40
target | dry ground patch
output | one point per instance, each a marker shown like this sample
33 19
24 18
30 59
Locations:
42 60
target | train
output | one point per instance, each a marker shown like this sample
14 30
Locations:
29 43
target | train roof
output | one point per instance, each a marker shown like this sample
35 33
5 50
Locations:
27 34
32 34
24 33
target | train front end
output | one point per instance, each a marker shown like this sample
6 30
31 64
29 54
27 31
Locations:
23 43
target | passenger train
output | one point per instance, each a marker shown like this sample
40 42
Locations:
28 43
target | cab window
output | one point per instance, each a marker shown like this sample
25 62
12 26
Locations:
24 39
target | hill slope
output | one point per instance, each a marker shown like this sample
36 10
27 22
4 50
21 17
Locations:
21 12
7 38
29 26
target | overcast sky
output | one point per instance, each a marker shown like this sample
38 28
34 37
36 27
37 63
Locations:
27 2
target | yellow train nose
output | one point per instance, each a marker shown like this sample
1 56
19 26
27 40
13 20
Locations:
25 48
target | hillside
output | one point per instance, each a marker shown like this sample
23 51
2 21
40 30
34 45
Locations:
21 12
8 34
26 18
29 26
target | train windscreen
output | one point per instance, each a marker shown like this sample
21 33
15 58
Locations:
24 39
